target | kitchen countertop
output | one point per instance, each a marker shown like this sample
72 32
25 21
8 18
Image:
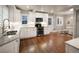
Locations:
74 43
7 39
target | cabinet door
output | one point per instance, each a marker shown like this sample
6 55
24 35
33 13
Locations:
11 47
17 15
33 33
24 32
71 49
5 12
7 48
29 32
46 30
0 19
11 13
16 45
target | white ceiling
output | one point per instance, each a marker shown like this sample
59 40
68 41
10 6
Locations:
47 8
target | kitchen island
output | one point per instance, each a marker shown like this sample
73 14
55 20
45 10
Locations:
72 46
9 43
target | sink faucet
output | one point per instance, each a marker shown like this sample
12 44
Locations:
3 29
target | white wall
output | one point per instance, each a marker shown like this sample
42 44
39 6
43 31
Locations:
69 27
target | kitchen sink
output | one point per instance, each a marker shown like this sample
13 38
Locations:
11 32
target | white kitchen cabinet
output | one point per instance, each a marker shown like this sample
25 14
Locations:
27 32
0 12
3 15
16 46
71 49
32 32
14 14
23 32
46 30
12 47
72 46
0 19
17 15
5 12
11 13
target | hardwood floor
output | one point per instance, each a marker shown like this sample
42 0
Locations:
52 43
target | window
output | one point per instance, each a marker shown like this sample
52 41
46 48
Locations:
49 21
24 19
59 21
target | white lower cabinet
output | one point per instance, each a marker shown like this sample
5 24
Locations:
23 32
46 30
12 47
71 49
27 32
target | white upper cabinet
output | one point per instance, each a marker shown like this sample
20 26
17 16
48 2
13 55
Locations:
0 12
14 14
0 19
17 15
11 13
5 12
3 15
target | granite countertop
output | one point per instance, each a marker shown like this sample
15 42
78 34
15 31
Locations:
8 38
74 42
